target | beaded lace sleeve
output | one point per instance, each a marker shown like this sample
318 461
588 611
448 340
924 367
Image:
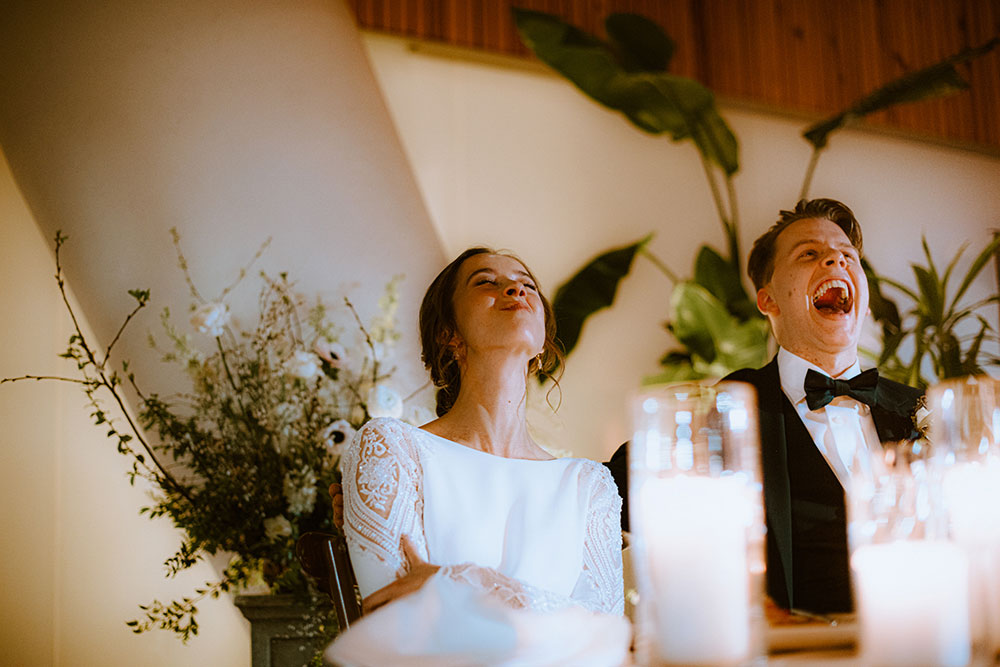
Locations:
600 587
382 502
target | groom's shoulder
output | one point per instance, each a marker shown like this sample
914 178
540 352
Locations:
902 395
755 376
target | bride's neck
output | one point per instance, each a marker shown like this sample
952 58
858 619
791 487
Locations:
489 413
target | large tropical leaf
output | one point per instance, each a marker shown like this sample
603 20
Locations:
977 265
592 288
716 342
697 319
641 44
703 324
720 277
935 81
626 75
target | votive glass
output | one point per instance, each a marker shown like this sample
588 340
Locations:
697 525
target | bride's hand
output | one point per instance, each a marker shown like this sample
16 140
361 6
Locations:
419 572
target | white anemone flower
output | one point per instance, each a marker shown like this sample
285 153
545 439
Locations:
211 318
276 527
384 402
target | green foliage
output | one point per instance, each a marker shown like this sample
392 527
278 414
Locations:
712 313
591 289
240 462
628 73
937 80
943 331
716 341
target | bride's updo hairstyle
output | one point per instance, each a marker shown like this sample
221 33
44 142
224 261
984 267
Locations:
438 326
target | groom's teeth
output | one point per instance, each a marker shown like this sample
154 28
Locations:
828 285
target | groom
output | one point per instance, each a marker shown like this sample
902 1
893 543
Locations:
814 402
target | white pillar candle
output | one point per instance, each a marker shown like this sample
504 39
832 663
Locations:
913 604
972 497
695 531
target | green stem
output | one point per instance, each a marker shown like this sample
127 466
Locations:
145 445
720 206
46 377
107 352
368 340
809 173
99 369
658 263
232 382
732 230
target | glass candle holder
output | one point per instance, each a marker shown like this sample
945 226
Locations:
910 581
697 525
965 431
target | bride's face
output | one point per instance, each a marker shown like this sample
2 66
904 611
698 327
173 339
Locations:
497 306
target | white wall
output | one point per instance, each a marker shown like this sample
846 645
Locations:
76 559
233 121
519 159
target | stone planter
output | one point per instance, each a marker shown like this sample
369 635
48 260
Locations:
282 632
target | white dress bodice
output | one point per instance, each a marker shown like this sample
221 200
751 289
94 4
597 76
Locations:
536 534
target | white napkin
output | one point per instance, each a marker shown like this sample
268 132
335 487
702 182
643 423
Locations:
451 624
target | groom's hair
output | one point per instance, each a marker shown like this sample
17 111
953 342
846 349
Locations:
438 328
760 266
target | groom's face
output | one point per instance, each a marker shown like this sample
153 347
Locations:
817 298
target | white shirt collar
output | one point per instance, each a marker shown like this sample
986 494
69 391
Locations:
792 373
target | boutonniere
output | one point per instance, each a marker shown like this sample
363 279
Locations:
921 418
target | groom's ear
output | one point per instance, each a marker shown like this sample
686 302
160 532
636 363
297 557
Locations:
765 302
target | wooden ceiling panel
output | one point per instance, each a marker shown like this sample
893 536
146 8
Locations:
811 56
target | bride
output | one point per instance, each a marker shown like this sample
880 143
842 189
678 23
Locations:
468 508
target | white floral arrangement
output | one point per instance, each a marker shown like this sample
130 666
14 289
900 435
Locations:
241 462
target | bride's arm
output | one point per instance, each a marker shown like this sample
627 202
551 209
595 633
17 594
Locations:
382 504
600 587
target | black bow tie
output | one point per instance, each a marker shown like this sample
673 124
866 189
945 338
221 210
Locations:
821 389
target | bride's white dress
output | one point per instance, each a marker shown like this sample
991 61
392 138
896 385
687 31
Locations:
542 537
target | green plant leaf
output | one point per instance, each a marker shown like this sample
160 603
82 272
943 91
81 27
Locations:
931 298
712 335
654 101
936 80
930 263
899 286
970 365
697 319
884 310
718 275
977 265
702 122
743 345
677 371
890 344
951 267
592 288
641 44
949 357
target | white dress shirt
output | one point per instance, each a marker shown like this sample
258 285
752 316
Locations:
843 430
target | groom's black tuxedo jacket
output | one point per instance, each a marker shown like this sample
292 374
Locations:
807 558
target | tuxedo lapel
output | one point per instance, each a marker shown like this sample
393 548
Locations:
892 412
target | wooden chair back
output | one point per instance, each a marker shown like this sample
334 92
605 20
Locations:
324 557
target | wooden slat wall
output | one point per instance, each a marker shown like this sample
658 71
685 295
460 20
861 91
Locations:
812 56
